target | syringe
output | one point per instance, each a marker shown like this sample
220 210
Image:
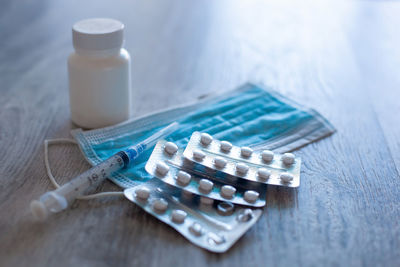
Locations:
59 199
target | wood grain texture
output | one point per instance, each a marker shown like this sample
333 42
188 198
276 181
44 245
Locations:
341 58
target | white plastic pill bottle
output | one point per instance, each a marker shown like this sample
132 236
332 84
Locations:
99 74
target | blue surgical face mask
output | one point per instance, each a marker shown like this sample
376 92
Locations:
248 116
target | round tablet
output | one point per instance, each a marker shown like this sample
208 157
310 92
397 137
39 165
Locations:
196 229
199 155
263 174
183 177
206 200
286 177
242 168
227 191
205 185
142 193
205 139
246 151
251 196
225 146
267 155
178 216
162 168
288 158
170 148
215 239
160 205
220 162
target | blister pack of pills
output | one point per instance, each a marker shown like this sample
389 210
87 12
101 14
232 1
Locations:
168 164
242 162
213 225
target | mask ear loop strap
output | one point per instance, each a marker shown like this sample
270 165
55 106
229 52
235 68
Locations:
48 142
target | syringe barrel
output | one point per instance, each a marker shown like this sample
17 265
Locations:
92 177
60 198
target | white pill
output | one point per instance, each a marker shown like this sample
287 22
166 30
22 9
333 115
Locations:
206 139
183 177
286 177
246 151
267 155
220 162
251 196
196 229
263 173
170 148
206 200
206 185
178 216
162 168
199 155
215 239
225 146
160 205
143 193
228 191
242 168
288 158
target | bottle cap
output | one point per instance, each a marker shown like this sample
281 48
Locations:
98 34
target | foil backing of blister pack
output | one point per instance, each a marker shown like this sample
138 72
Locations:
215 226
234 156
176 162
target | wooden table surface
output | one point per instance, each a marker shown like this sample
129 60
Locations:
341 58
